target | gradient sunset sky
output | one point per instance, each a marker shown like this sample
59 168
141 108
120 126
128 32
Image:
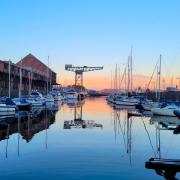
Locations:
93 33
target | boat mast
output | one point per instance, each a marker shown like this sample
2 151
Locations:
131 69
159 74
119 80
123 78
125 83
157 89
111 81
9 78
128 85
115 80
20 76
29 83
47 76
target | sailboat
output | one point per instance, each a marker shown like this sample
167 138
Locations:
21 103
148 105
163 110
33 99
164 167
111 98
49 98
127 100
7 107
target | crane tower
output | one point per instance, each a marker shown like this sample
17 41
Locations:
79 72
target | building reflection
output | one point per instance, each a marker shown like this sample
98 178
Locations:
26 124
78 121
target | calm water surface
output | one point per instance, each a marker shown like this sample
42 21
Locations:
106 144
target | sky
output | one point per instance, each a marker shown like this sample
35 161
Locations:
93 33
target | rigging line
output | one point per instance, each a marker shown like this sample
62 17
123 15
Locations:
152 74
148 137
124 73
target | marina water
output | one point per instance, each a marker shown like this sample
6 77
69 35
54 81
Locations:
103 143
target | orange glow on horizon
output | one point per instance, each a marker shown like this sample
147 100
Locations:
105 82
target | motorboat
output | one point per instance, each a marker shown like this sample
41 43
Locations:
71 94
38 96
35 102
49 99
22 104
58 97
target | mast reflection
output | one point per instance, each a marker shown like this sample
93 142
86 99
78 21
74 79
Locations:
78 121
123 124
166 168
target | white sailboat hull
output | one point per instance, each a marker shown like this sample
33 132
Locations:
164 111
125 103
72 96
150 106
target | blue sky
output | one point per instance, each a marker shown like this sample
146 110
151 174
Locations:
92 32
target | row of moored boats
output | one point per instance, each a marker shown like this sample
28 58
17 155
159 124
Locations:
35 100
157 108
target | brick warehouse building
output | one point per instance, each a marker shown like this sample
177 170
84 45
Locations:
34 72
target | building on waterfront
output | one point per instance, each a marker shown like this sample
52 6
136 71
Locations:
35 76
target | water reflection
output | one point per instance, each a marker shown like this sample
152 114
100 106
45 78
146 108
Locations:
166 123
64 141
123 125
166 168
26 125
125 119
78 121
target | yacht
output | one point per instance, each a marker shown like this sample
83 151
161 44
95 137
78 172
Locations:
126 101
148 105
71 94
35 102
22 104
49 99
167 110
38 96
